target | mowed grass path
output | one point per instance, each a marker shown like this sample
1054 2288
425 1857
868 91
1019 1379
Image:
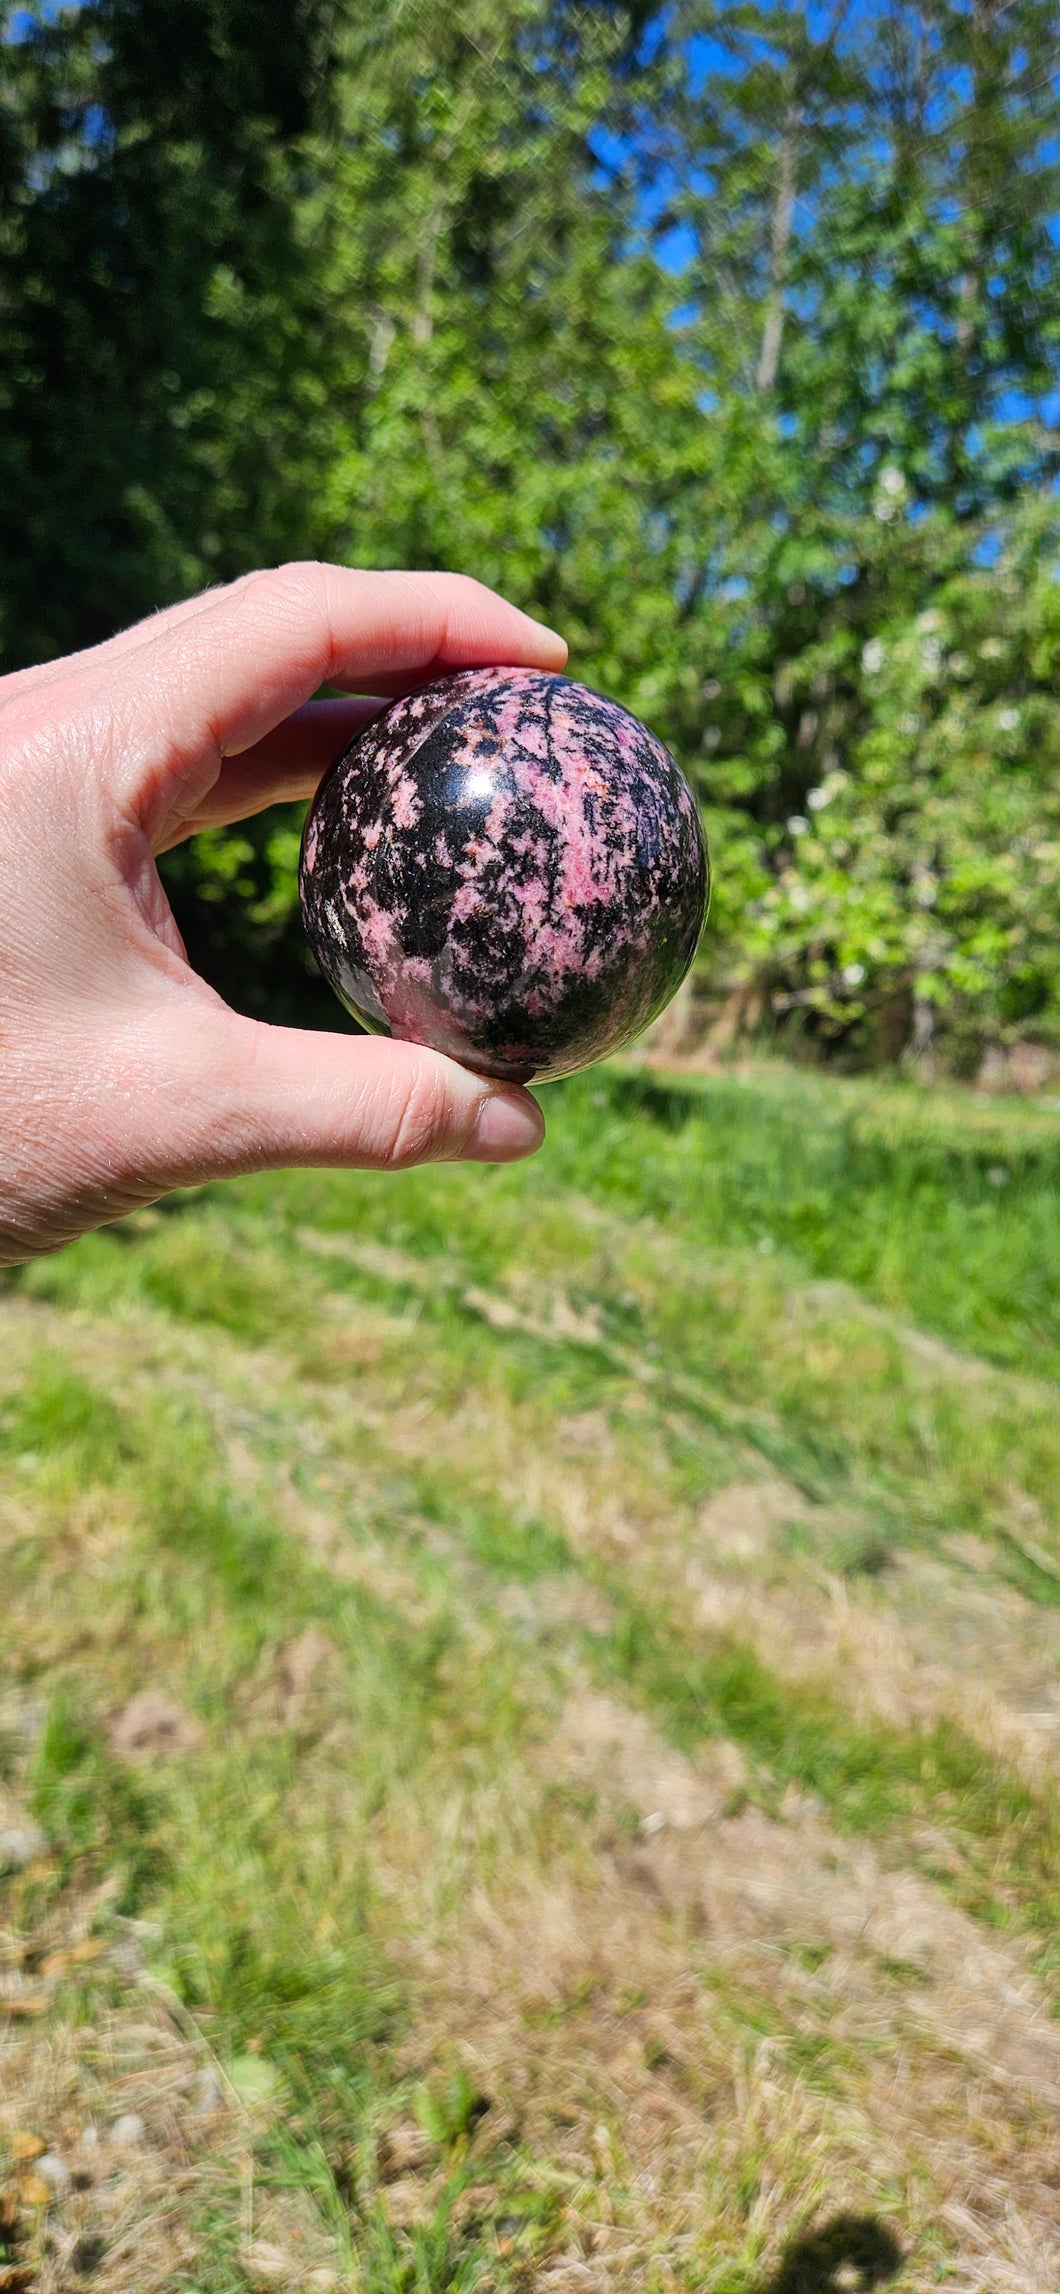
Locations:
529 1710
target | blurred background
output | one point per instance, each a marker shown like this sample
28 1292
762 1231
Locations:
529 1697
726 338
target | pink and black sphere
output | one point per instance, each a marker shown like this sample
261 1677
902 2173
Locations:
508 867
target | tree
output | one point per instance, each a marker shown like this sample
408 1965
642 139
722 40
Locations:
901 310
505 395
724 335
161 400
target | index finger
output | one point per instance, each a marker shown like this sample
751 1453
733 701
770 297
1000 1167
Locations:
215 683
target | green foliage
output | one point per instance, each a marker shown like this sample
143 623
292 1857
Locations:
925 860
723 336
157 414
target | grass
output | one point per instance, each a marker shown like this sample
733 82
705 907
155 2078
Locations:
537 1693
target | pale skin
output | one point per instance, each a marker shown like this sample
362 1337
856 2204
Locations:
123 1074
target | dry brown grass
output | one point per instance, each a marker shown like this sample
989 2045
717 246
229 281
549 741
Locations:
698 2015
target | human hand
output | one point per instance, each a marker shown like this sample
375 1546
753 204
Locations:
123 1073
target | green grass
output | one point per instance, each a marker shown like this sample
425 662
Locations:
458 1435
945 1210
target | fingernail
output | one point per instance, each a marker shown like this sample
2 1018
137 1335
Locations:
506 1126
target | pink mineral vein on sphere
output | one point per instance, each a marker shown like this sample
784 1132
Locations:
377 933
405 803
507 866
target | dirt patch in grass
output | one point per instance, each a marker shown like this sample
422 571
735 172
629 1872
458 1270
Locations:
151 1726
742 1521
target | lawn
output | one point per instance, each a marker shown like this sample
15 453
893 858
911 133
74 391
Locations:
528 1712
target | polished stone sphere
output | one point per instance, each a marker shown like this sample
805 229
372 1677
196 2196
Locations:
508 867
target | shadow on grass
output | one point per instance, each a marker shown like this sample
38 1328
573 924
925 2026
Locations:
664 1099
845 2256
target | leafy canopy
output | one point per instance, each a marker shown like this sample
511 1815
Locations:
726 336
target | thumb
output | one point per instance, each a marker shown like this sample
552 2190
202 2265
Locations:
261 1098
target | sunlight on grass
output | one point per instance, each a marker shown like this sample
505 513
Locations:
505 1563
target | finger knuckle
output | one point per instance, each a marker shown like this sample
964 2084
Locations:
467 586
419 1120
297 585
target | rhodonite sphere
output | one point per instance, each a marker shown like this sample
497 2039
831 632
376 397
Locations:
508 867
